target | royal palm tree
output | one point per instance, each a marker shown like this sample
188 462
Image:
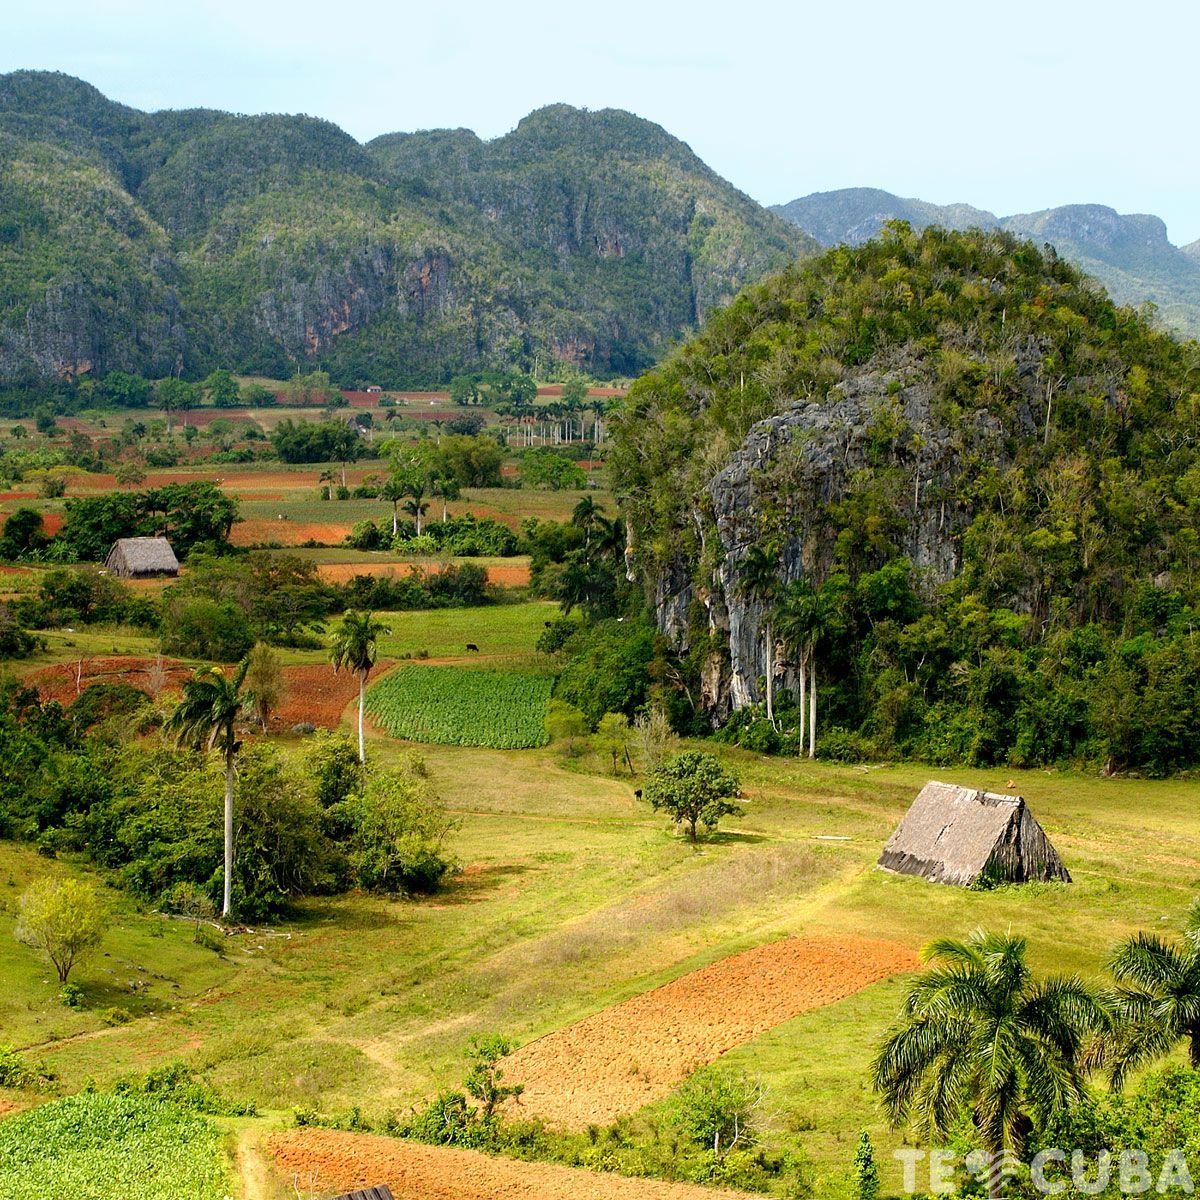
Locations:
205 719
585 515
354 647
980 1037
759 574
393 492
1156 1003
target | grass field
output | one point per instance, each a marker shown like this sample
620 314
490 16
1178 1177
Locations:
575 896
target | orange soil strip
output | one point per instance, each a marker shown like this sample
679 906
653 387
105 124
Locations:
51 523
323 1159
627 1056
318 695
16 495
313 692
516 575
58 682
289 533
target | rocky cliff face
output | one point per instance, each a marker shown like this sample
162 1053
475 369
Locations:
883 424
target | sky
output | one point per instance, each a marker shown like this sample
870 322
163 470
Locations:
1011 107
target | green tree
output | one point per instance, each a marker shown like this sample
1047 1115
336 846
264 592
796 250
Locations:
693 789
484 1081
980 1038
397 830
205 719
264 680
1156 1003
355 647
866 1169
222 390
64 919
613 736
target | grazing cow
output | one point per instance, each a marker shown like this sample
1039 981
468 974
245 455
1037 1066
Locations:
472 647
637 792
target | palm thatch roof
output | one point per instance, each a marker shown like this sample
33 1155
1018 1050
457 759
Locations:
138 556
383 1192
959 835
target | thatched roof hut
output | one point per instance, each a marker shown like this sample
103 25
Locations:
958 835
383 1192
142 558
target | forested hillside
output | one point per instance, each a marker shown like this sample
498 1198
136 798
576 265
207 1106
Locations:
180 241
1128 252
951 470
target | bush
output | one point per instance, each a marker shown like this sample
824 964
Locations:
394 832
199 627
18 1073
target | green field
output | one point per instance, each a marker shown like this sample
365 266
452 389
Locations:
86 1146
455 706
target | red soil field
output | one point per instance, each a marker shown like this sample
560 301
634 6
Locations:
51 523
516 575
260 532
312 692
16 496
624 1057
321 1160
316 694
58 682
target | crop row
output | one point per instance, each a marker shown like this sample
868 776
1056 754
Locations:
459 706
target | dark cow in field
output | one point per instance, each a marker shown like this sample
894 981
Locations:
472 647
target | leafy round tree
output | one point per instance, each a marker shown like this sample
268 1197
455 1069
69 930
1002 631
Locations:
695 790
64 919
355 647
1156 1003
204 719
979 1038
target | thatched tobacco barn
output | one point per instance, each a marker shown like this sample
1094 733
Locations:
375 1193
959 835
142 558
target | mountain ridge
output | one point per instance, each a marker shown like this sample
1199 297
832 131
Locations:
1129 253
195 238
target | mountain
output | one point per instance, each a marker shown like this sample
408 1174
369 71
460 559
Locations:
949 467
179 241
1128 253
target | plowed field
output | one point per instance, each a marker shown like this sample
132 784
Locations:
636 1052
318 1161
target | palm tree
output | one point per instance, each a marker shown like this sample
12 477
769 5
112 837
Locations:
204 719
393 492
445 488
979 1036
354 647
416 508
1156 1003
760 579
585 515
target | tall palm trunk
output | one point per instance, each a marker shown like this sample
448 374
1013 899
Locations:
803 695
362 696
812 702
395 520
227 893
770 675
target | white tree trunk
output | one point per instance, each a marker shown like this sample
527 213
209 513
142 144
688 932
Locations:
812 702
803 695
770 675
362 699
227 893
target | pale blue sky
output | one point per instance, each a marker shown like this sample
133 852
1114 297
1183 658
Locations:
1011 107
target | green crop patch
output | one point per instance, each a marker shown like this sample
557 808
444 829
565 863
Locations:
457 706
98 1145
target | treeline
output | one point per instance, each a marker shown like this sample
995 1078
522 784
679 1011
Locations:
98 779
225 604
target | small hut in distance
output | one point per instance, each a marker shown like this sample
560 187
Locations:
959 835
142 558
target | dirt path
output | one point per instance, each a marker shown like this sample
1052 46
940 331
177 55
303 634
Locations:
321 1160
636 1052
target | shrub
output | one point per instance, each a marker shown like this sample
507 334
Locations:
199 627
